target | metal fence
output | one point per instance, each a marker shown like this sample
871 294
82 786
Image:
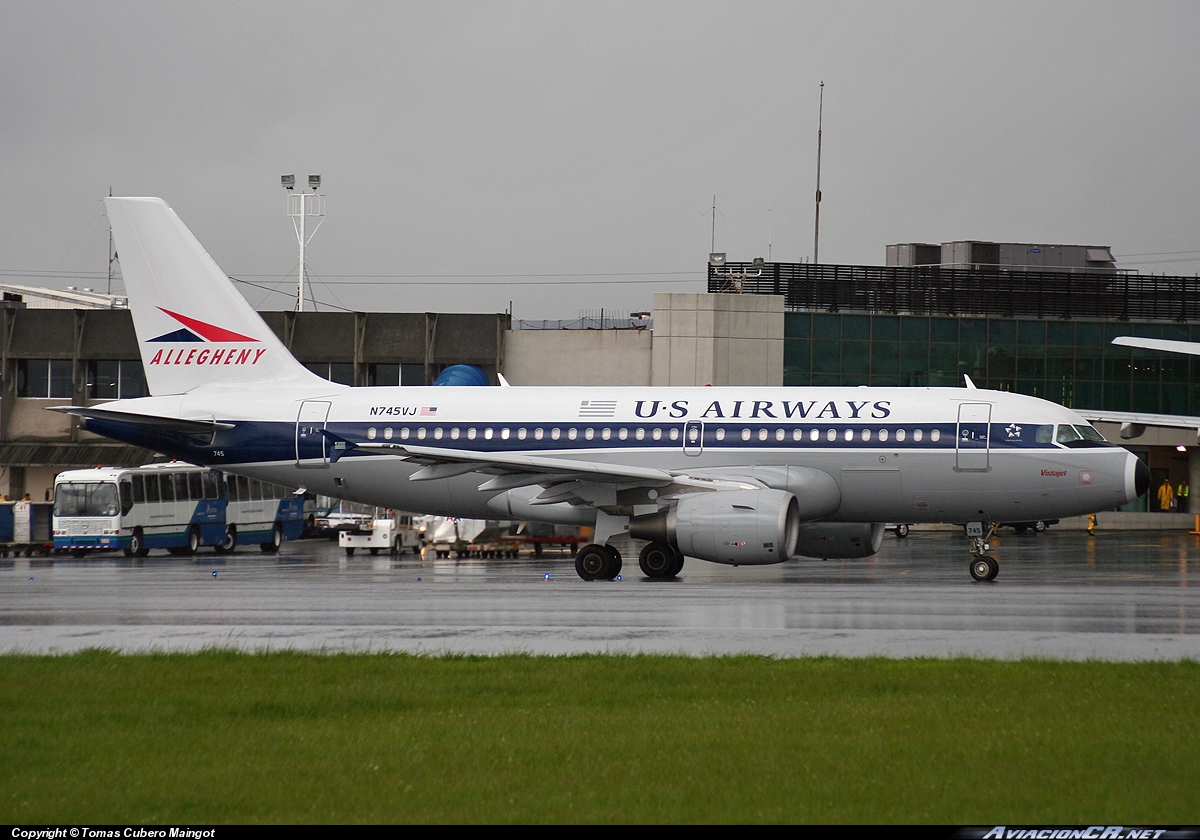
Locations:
934 290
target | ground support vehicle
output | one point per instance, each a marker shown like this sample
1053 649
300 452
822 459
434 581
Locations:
26 528
175 506
394 533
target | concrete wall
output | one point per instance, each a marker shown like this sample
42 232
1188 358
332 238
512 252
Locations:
578 357
698 339
706 339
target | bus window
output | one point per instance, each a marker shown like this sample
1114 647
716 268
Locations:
139 488
211 489
231 493
255 490
126 496
181 487
243 488
89 498
196 486
167 487
152 494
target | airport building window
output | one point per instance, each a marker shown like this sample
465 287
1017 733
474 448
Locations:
1069 362
45 378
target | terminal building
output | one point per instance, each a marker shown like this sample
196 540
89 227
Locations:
1035 319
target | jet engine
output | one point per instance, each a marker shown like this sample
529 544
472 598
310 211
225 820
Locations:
839 540
739 527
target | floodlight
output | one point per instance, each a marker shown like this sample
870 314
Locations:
289 181
314 182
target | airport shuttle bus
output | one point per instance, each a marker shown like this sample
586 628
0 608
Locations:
174 506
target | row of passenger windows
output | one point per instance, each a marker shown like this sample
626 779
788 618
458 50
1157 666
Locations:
198 486
653 433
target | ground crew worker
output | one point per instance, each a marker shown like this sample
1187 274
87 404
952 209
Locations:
1181 496
1166 495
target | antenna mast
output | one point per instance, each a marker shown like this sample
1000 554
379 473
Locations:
111 255
817 217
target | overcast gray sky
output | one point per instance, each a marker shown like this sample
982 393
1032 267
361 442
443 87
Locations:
575 145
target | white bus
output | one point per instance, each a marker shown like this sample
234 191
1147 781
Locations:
174 506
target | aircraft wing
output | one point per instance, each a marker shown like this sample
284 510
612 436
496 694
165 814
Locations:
1192 348
513 470
1133 424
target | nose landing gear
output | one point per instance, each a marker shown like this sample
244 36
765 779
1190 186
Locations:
982 566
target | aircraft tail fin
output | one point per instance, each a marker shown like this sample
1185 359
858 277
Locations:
193 327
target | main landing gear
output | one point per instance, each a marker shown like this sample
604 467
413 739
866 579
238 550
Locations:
982 567
598 562
660 560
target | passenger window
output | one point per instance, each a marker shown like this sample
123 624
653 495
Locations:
538 433
181 487
640 434
126 496
168 487
196 486
623 434
243 485
745 434
437 433
606 433
883 435
656 434
918 434
797 434
404 433
211 486
815 434
674 434
387 433
900 434
152 494
572 434
255 490
832 435
935 435
555 434
139 489
231 493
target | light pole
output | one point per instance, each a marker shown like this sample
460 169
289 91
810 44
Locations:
300 207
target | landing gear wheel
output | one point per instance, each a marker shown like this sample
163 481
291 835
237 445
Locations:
901 531
1039 526
229 542
592 561
272 545
984 568
657 560
614 564
678 567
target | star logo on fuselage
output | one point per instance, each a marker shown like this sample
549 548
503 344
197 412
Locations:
1014 431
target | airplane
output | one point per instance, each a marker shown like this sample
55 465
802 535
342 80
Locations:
733 475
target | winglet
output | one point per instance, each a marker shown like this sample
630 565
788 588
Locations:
503 381
970 385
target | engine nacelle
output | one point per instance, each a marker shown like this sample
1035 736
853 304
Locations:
839 540
739 527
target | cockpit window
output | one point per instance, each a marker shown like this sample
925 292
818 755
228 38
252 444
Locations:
1067 434
1088 433
1080 437
1045 434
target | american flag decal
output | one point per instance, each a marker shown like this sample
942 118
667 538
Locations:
428 410
598 408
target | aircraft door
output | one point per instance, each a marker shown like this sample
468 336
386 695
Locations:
974 423
693 438
312 450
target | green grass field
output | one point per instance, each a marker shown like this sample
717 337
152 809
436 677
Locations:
226 737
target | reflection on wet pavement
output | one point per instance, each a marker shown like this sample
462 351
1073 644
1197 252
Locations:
1124 596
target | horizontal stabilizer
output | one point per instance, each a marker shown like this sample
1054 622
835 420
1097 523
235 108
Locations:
164 424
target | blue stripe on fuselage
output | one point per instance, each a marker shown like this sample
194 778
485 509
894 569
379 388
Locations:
264 442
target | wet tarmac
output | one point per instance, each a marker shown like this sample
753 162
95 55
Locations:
1116 596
